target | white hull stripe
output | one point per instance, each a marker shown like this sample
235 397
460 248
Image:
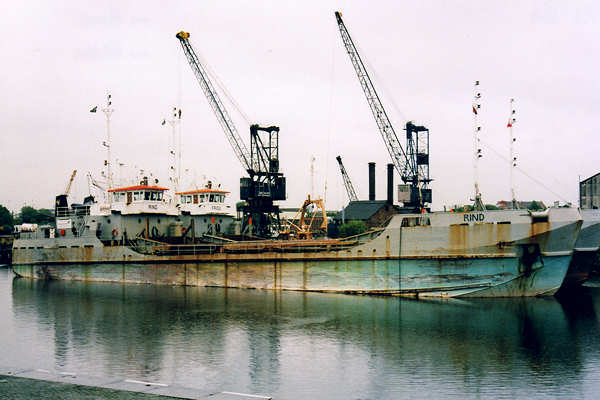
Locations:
145 383
557 253
256 396
586 249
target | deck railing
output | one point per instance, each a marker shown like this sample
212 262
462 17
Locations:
65 212
148 246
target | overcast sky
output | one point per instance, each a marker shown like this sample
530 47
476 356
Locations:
284 64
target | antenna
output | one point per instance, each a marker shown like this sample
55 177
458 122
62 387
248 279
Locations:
175 171
89 183
513 158
478 205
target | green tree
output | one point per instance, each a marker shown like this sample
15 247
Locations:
352 228
466 208
534 206
239 206
6 219
28 215
491 207
45 216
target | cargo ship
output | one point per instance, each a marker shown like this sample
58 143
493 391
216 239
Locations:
139 238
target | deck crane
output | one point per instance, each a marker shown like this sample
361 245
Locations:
412 164
265 183
68 188
301 226
347 183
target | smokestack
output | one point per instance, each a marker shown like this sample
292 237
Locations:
390 183
371 181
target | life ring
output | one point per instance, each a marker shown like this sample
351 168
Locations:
115 232
154 231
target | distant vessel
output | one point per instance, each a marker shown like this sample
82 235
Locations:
585 255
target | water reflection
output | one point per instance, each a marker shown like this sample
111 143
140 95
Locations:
297 345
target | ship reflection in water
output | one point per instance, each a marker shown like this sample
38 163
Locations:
307 345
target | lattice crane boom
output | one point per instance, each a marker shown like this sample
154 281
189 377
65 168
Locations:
236 142
401 161
347 183
413 163
265 183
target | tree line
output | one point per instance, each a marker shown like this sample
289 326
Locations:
27 215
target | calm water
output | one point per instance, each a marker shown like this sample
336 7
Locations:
304 346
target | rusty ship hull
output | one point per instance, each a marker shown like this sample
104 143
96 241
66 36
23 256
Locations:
483 254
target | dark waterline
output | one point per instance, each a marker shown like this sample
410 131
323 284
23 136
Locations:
304 345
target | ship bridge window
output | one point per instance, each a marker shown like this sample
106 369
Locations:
201 198
211 198
186 199
151 196
136 196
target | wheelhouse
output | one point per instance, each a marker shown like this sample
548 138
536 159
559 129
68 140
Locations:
207 200
201 196
136 194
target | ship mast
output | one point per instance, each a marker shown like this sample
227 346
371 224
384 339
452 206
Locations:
478 205
175 155
108 112
312 176
513 158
